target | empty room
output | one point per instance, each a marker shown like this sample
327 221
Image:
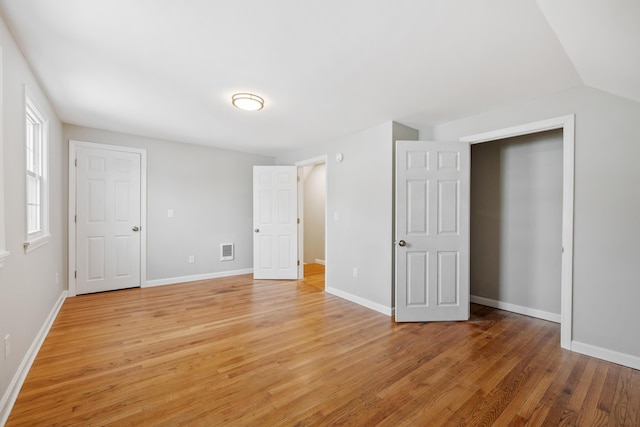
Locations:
319 213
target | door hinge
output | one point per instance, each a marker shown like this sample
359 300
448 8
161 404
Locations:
298 178
75 274
76 162
298 263
298 220
75 218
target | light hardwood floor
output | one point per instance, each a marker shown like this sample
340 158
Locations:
239 352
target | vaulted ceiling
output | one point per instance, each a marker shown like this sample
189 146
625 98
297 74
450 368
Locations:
167 68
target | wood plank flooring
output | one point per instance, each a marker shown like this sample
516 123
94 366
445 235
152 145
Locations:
239 352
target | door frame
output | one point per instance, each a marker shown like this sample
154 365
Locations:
313 161
567 124
73 148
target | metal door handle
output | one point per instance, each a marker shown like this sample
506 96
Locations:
135 228
402 243
257 230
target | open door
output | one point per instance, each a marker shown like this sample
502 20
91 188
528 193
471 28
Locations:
275 221
432 231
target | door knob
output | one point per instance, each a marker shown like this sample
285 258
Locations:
257 230
135 228
402 243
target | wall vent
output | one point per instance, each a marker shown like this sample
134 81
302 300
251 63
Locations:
226 251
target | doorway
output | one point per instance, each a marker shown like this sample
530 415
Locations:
516 224
312 211
566 124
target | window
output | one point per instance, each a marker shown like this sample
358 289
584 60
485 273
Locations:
36 144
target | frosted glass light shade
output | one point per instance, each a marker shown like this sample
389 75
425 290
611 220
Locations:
247 101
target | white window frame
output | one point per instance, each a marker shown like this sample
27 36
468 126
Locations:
36 168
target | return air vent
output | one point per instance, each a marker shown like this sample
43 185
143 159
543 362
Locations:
226 251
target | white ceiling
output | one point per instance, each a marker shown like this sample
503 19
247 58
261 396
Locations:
168 68
602 39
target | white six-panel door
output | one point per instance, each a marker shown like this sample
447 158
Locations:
108 219
432 231
275 221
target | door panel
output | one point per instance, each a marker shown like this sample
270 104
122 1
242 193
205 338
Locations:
448 210
448 279
432 222
418 217
108 206
417 273
275 201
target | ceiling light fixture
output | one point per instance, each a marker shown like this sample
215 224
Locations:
247 101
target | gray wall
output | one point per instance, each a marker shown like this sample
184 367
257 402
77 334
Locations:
360 212
516 220
210 192
606 276
315 194
359 209
28 286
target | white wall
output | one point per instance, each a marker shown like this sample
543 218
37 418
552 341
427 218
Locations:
315 194
360 212
3 249
210 191
516 221
29 291
606 277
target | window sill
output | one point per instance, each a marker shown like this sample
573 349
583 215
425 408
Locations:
34 244
3 255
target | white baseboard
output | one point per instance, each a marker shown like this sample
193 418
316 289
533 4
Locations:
320 261
13 390
360 301
606 354
544 315
196 277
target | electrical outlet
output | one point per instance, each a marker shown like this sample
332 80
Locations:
6 347
355 271
170 213
192 259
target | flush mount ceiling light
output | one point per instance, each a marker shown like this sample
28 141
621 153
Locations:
247 101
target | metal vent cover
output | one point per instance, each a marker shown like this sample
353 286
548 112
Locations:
226 252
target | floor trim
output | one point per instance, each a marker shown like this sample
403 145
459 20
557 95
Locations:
360 301
196 277
527 311
606 354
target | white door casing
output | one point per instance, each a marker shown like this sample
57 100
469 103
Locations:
106 192
567 124
275 220
432 231
300 210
